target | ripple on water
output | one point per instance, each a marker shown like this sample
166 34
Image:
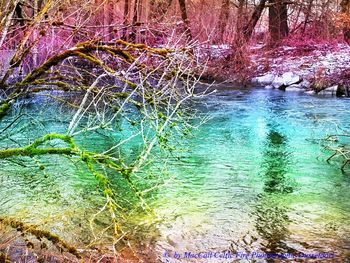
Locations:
260 184
254 180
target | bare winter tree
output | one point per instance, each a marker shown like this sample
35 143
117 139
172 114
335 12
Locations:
125 20
345 9
185 20
307 15
278 21
147 89
223 19
249 27
158 9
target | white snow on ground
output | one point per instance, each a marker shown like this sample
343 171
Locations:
5 57
308 62
212 51
292 68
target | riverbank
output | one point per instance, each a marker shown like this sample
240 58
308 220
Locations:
314 68
318 68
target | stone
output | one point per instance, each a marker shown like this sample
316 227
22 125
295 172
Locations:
295 88
264 80
310 92
305 84
287 79
332 91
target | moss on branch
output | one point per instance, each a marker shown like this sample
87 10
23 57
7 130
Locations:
88 158
33 150
4 258
83 51
4 109
132 46
39 234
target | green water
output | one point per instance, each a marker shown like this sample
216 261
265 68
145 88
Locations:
253 179
256 181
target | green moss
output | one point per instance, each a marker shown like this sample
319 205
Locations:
4 109
29 151
4 258
121 95
162 52
33 150
132 46
108 192
39 234
53 136
161 116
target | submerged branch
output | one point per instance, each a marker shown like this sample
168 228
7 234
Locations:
342 151
39 234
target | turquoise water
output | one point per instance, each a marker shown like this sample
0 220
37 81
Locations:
253 179
256 181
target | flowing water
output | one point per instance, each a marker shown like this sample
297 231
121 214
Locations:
254 184
256 181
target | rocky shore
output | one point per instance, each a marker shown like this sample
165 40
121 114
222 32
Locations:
315 69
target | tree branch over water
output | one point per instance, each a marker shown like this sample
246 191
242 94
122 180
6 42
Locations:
133 93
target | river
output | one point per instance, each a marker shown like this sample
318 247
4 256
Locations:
252 183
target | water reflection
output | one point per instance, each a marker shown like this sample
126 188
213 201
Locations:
272 218
275 163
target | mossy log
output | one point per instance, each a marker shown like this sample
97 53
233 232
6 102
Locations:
39 234
4 258
83 50
88 158
33 150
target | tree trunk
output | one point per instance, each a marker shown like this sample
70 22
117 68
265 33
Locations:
158 9
248 29
125 20
239 40
112 13
135 18
7 21
105 16
108 20
345 9
307 15
278 21
223 19
40 4
185 20
35 35
19 13
238 54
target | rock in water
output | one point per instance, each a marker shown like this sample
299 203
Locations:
295 88
264 80
287 79
332 91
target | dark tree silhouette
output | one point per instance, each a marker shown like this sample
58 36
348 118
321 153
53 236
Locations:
278 21
185 20
345 9
249 27
125 20
223 19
